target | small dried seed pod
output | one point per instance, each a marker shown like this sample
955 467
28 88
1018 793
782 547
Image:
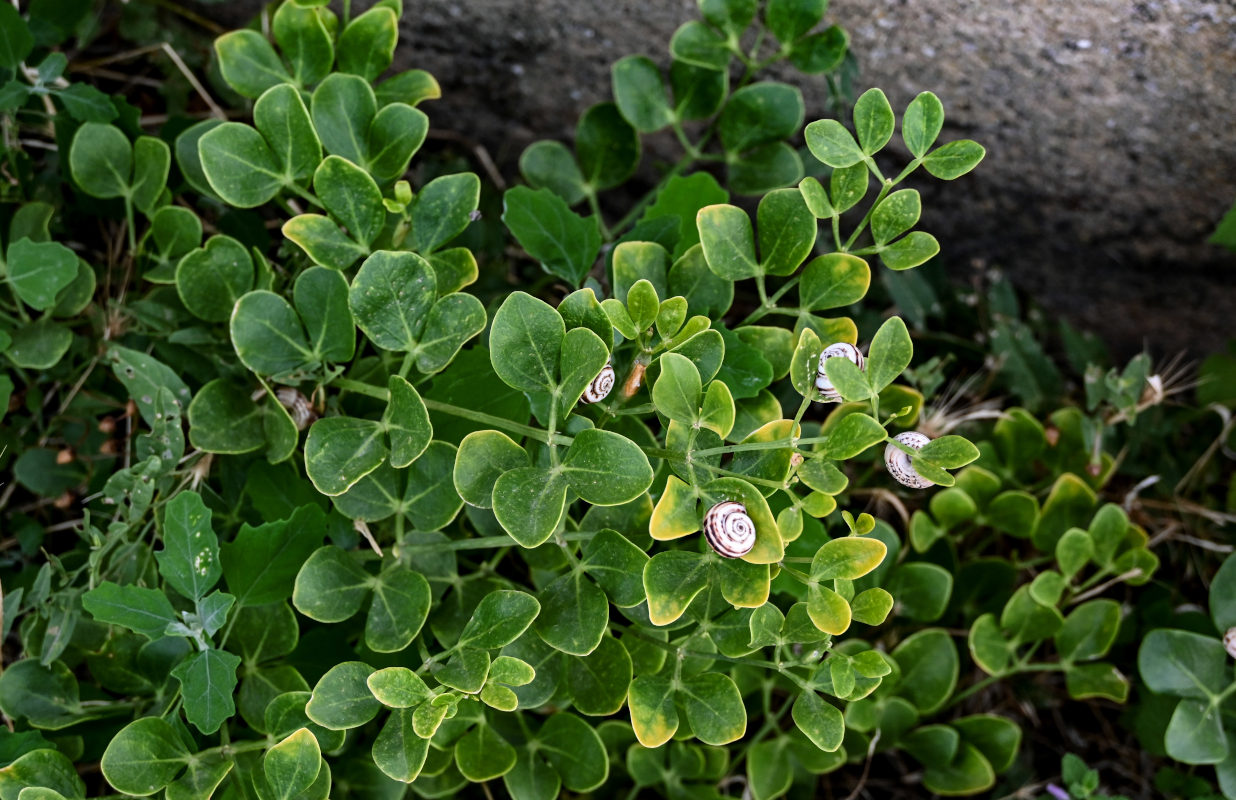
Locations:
601 385
729 530
1229 642
898 461
838 350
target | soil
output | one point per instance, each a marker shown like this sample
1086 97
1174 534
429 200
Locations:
1108 124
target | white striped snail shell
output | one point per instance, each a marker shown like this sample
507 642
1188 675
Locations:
1229 642
729 530
601 385
838 350
898 461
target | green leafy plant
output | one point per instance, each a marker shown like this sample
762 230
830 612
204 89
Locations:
608 531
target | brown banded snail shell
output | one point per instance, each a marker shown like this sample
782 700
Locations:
898 461
729 530
601 385
838 350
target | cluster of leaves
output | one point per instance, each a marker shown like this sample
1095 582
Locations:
539 607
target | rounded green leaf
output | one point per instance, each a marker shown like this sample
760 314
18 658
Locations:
873 120
321 299
323 241
768 167
451 323
240 165
342 108
396 133
483 457
339 451
890 353
654 717
606 468
400 605
787 231
1088 632
714 708
820 52
500 618
676 393
833 281
38 271
910 251
525 341
929 668
367 44
728 241
607 145
101 160
758 114
821 721
599 680
895 215
575 751
482 755
828 610
921 123
390 298
1222 589
697 44
954 159
292 765
212 278
398 751
351 196
248 63
1184 664
548 164
398 687
300 32
831 143
672 579
341 699
443 209
529 503
330 586
639 91
574 614
144 757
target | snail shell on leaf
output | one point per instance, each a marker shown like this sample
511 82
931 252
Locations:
601 385
838 350
898 461
729 530
1229 642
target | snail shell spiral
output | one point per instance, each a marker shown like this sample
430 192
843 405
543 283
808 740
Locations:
1229 642
729 530
898 461
600 387
838 350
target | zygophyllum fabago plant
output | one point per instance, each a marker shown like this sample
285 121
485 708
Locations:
544 537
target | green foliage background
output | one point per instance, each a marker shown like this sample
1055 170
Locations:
250 553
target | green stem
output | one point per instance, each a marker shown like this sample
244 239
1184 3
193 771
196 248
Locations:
304 195
486 543
129 224
378 393
990 679
768 304
606 234
673 648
